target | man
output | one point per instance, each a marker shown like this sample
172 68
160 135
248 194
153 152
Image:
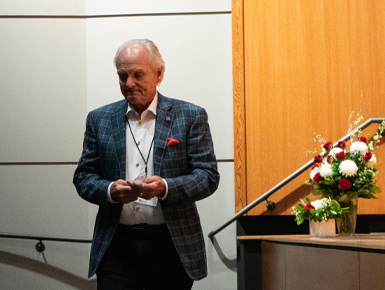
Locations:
146 160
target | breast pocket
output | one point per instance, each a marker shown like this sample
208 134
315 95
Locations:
175 162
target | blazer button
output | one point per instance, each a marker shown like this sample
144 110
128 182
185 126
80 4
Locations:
137 164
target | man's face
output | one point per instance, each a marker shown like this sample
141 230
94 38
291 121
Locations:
137 76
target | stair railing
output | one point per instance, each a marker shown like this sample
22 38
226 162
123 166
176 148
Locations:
40 247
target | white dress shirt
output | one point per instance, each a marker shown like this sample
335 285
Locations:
143 129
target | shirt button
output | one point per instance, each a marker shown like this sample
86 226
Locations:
140 122
137 209
137 164
139 143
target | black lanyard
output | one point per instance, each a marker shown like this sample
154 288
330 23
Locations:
148 156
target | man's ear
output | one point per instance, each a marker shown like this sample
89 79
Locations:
159 76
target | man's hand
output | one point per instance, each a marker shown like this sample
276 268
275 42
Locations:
151 187
121 191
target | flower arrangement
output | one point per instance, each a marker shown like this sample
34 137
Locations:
342 175
318 210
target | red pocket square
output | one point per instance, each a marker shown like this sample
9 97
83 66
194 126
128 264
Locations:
172 142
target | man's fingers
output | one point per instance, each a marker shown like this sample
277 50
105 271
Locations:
151 179
154 186
121 191
121 188
128 199
145 196
120 185
121 182
124 189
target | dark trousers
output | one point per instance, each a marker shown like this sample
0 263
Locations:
142 257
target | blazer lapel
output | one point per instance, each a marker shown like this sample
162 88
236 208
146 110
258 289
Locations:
118 129
164 120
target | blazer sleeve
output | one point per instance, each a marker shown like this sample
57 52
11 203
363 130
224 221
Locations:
201 177
87 177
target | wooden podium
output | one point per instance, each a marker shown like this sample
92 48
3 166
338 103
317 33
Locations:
298 262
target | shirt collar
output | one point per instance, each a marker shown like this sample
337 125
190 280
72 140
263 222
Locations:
151 107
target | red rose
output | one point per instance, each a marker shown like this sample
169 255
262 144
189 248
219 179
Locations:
367 156
318 159
341 144
314 166
317 178
341 155
328 146
362 139
330 159
344 184
309 206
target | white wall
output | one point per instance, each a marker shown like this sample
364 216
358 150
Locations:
117 7
41 7
56 65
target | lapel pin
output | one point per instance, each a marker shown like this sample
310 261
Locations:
167 118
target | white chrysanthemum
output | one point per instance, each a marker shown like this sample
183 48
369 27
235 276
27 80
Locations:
326 170
359 147
372 161
322 203
348 168
334 151
317 204
314 172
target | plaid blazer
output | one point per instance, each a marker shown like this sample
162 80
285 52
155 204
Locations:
190 169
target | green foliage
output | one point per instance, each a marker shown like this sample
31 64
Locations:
324 209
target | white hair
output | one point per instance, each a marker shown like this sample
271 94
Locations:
155 56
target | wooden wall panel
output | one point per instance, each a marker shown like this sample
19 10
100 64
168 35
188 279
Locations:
309 65
239 105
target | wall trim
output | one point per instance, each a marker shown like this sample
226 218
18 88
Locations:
239 117
116 15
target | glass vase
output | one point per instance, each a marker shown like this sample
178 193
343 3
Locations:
346 223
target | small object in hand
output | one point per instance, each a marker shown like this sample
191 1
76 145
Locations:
141 178
139 181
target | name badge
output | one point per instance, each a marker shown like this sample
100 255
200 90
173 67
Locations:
151 202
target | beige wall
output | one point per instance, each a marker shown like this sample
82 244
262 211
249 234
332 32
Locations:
56 65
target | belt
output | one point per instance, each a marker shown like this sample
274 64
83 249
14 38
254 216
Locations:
141 229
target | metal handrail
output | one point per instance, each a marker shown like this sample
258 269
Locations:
271 191
40 247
